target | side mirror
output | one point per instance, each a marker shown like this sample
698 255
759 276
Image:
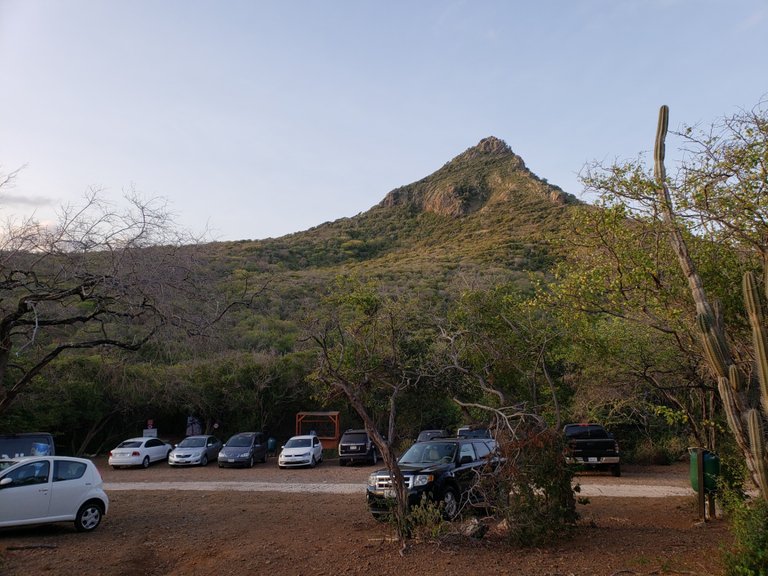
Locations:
466 459
6 482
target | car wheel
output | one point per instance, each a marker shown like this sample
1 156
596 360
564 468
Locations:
450 503
342 462
115 467
88 517
204 460
313 462
616 470
374 457
145 462
250 462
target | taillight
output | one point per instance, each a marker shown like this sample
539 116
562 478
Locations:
135 453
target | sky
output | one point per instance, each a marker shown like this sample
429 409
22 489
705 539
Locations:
259 118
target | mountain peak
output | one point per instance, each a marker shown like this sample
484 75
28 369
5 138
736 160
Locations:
490 146
487 173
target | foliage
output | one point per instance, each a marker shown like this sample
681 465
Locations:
102 277
425 521
532 488
749 524
371 349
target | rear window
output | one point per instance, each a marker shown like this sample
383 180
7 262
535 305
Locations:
18 445
586 431
354 438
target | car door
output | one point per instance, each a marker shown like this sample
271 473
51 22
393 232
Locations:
317 449
259 446
68 486
156 449
212 447
466 471
27 498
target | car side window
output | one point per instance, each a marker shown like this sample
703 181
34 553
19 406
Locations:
482 449
32 473
67 471
153 443
467 450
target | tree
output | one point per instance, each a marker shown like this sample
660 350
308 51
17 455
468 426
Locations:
101 277
372 348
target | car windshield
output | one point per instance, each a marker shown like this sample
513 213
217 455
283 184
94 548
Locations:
6 463
192 443
239 440
130 444
298 443
429 453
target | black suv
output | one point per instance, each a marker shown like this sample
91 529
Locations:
443 471
356 446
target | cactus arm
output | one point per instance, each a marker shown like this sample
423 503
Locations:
757 446
755 313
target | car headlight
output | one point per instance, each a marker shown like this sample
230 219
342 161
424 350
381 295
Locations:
422 479
373 479
243 455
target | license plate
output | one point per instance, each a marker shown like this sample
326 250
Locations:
389 493
592 459
230 460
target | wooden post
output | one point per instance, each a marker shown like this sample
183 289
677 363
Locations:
700 478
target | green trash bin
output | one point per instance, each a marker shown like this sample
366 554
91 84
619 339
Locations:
711 469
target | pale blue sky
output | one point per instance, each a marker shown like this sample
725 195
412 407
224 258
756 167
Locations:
261 118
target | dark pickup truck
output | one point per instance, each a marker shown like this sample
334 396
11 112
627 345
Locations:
592 446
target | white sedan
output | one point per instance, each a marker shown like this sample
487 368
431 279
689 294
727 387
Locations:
139 452
45 489
301 451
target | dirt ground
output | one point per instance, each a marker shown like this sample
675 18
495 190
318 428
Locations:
192 532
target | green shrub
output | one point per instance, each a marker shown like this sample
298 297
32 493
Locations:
749 525
425 521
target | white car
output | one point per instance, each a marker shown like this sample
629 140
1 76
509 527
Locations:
301 451
45 489
139 452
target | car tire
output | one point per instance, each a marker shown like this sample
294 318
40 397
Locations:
115 467
312 462
250 462
342 462
450 502
204 460
145 462
616 470
88 517
374 457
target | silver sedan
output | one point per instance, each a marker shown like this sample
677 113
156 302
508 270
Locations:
195 450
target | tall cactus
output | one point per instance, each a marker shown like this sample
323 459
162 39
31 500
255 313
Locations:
745 422
734 394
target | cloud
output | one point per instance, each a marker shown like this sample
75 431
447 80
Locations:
16 200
